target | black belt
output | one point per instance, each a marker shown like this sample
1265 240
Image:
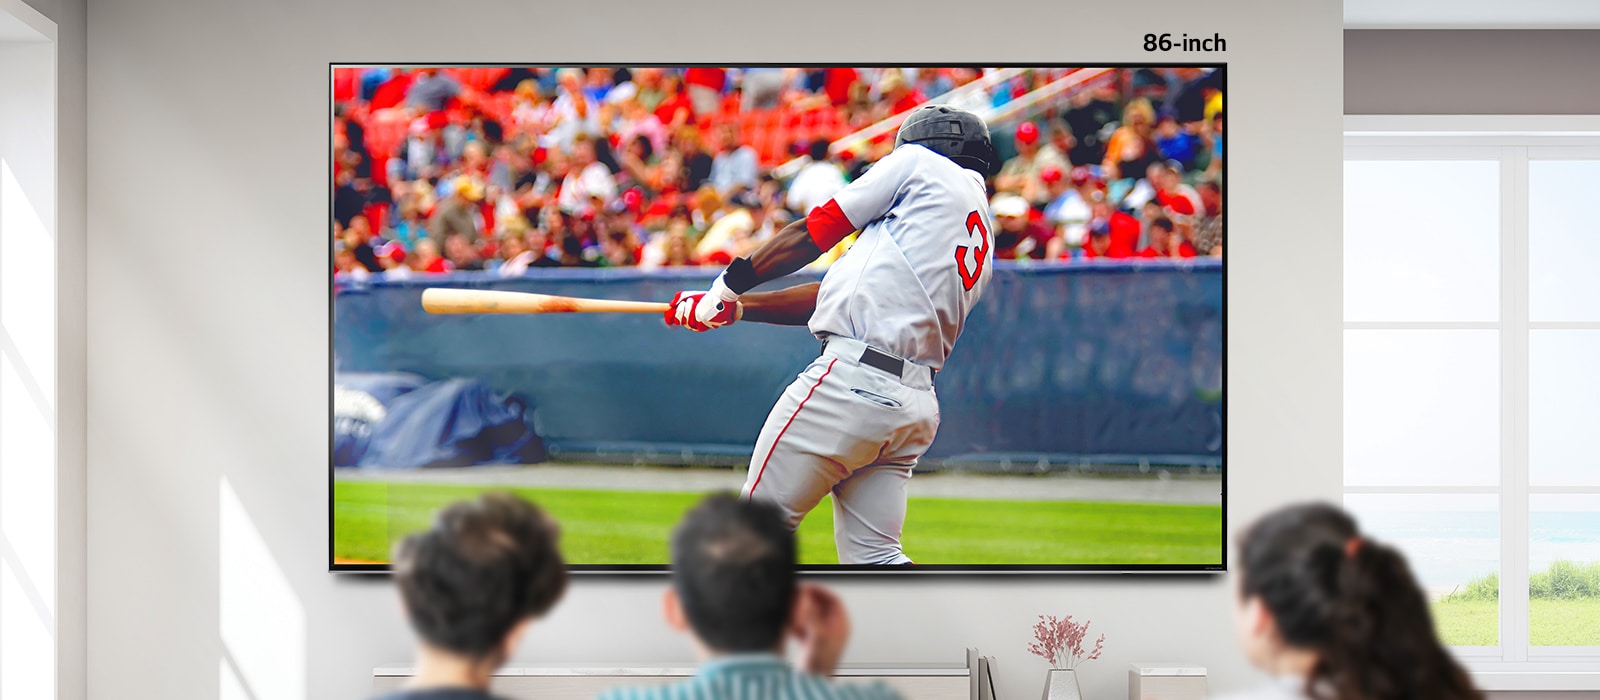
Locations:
884 361
872 357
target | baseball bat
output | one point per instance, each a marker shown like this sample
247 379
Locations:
440 300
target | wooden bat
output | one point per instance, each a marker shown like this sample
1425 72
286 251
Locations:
441 300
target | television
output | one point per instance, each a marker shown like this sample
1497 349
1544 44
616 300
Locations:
965 318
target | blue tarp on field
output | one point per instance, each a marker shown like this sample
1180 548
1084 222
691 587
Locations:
1110 362
399 420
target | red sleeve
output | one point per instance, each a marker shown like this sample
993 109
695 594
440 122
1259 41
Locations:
828 225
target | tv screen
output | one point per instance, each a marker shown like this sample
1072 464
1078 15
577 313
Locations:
966 318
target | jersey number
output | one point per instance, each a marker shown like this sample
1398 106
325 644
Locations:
980 253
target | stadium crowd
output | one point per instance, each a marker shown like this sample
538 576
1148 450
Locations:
507 169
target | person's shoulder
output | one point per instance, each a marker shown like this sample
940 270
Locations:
438 694
809 685
910 159
876 690
650 692
647 693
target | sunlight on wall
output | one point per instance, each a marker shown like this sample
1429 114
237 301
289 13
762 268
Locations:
27 446
28 283
263 623
27 668
232 686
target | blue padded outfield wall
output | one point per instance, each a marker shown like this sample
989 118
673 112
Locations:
1085 363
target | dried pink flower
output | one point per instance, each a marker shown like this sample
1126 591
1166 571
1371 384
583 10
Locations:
1060 642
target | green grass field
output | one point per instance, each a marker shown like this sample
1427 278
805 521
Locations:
622 527
1563 608
1550 622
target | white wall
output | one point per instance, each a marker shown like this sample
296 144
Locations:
208 310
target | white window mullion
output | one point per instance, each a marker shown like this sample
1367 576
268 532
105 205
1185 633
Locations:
1514 396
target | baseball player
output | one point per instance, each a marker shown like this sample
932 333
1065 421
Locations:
888 312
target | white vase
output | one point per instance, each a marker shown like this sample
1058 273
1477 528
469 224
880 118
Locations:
1062 684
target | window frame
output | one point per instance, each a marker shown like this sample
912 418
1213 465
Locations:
1514 142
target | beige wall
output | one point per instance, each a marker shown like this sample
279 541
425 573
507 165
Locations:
208 306
1392 71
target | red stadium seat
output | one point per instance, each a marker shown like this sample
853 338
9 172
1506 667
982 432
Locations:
393 91
773 149
380 170
346 84
386 130
498 106
480 79
377 215
788 134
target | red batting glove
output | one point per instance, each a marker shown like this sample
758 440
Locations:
698 313
675 317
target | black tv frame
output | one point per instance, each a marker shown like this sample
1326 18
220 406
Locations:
946 570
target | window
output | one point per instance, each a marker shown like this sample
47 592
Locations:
1472 376
29 606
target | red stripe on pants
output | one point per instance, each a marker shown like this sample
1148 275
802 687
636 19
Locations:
785 429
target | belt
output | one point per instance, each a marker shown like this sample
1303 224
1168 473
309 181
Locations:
873 357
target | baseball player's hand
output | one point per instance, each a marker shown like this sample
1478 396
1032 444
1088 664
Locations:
703 311
821 627
685 307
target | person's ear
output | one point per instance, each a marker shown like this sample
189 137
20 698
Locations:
1258 619
508 647
800 610
672 611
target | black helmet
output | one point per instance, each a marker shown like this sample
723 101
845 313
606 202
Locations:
953 133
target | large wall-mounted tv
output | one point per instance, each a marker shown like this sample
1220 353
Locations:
948 318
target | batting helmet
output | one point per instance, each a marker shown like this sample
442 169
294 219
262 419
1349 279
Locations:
953 133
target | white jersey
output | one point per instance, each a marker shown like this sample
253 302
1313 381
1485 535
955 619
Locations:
921 263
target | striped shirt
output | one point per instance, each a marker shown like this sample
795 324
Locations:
753 677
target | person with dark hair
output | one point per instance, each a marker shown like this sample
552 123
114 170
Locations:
696 162
588 177
734 590
1336 615
573 254
472 584
1164 242
351 195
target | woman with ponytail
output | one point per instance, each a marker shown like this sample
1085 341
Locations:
1334 615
